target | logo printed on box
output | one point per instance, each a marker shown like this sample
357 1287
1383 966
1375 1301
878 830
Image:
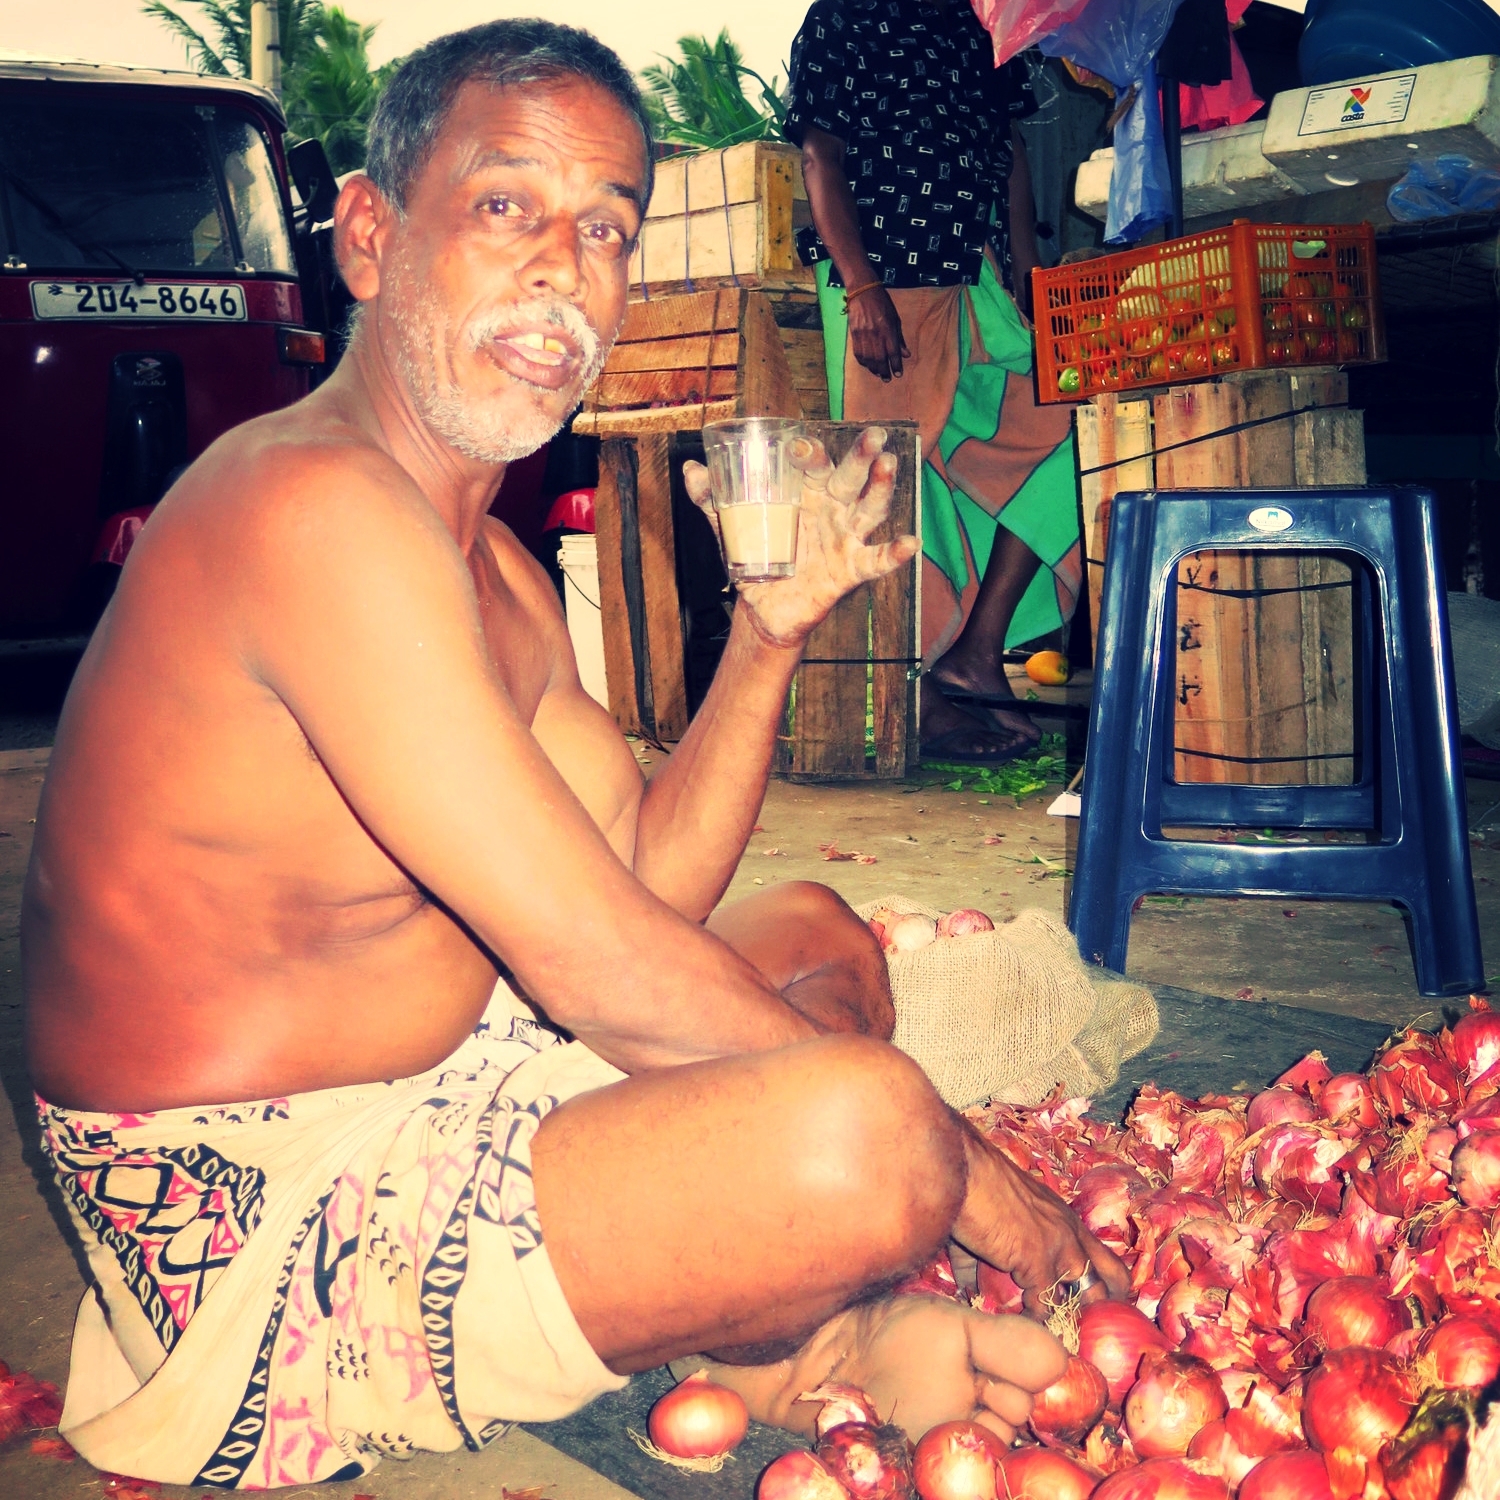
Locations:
1356 106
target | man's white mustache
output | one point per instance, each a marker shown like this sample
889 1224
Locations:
524 316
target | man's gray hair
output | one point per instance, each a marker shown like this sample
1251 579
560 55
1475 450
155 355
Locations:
503 54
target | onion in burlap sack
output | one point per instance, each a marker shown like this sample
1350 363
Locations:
1014 1013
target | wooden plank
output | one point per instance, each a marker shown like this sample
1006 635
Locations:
794 283
893 620
1109 430
659 583
765 378
616 462
804 357
829 713
664 388
602 424
777 250
691 353
676 317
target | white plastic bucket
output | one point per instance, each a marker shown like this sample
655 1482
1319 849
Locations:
578 557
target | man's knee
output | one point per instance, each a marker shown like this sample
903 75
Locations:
882 1141
821 906
844 940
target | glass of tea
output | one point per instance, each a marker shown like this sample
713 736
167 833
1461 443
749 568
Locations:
756 495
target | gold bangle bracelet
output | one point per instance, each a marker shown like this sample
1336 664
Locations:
850 293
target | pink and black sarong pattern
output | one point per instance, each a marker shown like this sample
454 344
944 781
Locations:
288 1291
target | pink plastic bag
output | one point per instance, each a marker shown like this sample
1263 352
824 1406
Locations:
1016 24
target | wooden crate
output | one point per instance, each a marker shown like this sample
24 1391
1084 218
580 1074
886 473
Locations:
724 218
1264 642
684 361
867 646
865 653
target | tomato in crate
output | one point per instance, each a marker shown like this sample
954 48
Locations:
1246 297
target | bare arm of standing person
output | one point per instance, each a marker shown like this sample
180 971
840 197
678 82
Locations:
874 324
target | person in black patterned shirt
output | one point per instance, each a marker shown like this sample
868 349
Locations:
923 238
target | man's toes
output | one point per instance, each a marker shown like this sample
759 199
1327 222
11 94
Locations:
1006 1431
1002 1399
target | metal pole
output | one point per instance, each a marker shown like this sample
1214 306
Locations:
1171 125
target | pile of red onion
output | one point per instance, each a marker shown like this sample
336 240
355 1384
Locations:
1316 1296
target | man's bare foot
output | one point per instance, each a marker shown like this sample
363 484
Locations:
922 1360
973 733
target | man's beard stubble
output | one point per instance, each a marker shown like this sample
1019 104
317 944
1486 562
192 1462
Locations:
493 430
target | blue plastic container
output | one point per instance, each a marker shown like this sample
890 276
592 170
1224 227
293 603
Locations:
1346 39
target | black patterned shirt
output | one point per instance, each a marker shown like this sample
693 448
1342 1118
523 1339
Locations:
911 88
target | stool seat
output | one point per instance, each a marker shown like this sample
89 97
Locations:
1409 795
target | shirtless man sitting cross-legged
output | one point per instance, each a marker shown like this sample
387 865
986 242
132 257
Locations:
326 772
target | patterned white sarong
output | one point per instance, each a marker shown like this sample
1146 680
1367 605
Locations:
289 1290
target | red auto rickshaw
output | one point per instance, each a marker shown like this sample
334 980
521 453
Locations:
156 289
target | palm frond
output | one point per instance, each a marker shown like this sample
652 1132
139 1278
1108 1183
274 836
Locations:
698 98
199 50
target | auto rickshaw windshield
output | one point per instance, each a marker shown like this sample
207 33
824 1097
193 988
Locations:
137 187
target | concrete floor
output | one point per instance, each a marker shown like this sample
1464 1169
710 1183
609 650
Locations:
946 848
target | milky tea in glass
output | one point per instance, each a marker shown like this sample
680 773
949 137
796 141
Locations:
756 495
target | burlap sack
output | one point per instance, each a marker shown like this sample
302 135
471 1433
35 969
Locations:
1013 1013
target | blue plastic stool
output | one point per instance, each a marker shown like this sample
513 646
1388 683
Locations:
1411 788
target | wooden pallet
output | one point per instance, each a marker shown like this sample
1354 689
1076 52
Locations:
1264 643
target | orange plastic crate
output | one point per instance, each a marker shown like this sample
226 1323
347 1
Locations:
1248 297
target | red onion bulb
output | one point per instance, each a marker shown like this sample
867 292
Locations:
958 1461
1041 1474
872 1463
1113 1336
962 922
798 1475
1476 1170
1071 1406
909 933
1104 1199
1348 1104
1356 1398
1288 1476
1476 1042
1279 1106
698 1419
1461 1352
1213 1448
1162 1479
1353 1312
1174 1397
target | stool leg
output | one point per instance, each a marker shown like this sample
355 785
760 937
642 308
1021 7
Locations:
1444 922
1120 738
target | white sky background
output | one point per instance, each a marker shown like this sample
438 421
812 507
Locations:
116 31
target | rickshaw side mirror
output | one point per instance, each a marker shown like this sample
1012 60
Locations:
308 163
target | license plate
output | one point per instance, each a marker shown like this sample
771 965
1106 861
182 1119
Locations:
196 301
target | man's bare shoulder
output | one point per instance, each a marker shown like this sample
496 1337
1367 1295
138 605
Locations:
275 468
523 574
